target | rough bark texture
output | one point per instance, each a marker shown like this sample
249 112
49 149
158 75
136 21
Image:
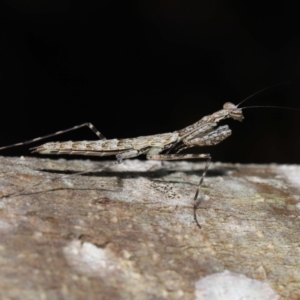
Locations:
128 232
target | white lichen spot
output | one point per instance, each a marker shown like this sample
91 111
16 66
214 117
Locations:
292 174
67 182
232 286
89 259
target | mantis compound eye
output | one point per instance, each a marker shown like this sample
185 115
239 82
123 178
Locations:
233 111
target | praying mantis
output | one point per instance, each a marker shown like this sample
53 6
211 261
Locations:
165 146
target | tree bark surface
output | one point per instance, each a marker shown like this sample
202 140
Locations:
127 232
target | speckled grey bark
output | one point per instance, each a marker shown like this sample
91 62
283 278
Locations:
128 232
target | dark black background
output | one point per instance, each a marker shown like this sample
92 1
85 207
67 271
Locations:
144 67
